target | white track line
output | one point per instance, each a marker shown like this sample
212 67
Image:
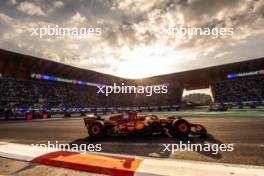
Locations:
169 142
149 166
187 168
20 151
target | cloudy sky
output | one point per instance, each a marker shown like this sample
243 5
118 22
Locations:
134 41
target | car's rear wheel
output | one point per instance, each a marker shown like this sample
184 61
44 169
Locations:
180 128
96 129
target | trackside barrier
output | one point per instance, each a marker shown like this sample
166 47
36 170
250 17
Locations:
45 116
29 116
114 164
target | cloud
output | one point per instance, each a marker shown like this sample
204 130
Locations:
30 9
58 4
12 2
134 33
5 18
77 19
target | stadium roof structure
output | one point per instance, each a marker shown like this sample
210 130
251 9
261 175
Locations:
204 77
22 66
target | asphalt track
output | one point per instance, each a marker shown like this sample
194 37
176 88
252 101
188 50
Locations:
246 133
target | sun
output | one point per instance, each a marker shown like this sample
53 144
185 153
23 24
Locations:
140 69
141 62
147 61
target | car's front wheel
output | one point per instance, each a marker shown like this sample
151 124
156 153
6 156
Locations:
180 128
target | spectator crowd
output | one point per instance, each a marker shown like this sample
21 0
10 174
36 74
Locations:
31 92
250 89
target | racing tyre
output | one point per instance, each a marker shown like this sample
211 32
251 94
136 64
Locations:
180 128
96 129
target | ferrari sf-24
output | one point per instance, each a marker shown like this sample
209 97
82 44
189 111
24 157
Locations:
133 124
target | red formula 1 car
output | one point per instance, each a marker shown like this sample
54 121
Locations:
143 125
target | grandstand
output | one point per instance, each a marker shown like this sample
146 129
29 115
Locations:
21 86
247 90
